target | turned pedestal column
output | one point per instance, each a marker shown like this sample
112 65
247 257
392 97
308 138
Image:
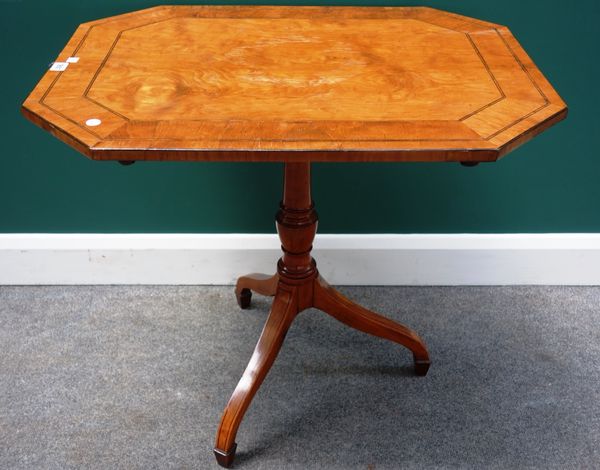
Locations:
297 286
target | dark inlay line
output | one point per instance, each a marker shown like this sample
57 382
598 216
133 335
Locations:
42 100
493 77
533 82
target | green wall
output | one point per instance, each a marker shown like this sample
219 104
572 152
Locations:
550 184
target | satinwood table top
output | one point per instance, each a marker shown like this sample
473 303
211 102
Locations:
264 83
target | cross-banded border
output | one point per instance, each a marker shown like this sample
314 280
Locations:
471 114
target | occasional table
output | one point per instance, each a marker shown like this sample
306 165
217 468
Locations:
294 85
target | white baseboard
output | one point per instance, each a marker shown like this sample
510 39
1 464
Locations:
456 259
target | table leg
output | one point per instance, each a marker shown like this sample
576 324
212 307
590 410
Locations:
282 314
330 301
296 287
260 283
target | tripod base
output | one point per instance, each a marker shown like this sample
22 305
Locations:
295 287
290 300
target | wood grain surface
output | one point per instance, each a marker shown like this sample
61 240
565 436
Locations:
294 84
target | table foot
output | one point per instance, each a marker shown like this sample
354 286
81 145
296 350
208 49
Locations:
330 301
283 312
260 283
225 459
421 367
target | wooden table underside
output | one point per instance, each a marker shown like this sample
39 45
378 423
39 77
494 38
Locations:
295 85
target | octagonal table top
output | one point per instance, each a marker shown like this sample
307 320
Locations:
262 83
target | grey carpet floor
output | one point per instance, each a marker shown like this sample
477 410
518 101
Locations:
137 377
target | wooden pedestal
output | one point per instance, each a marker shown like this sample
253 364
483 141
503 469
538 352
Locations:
295 287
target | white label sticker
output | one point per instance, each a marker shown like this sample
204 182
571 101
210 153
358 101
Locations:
73 60
59 66
93 122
